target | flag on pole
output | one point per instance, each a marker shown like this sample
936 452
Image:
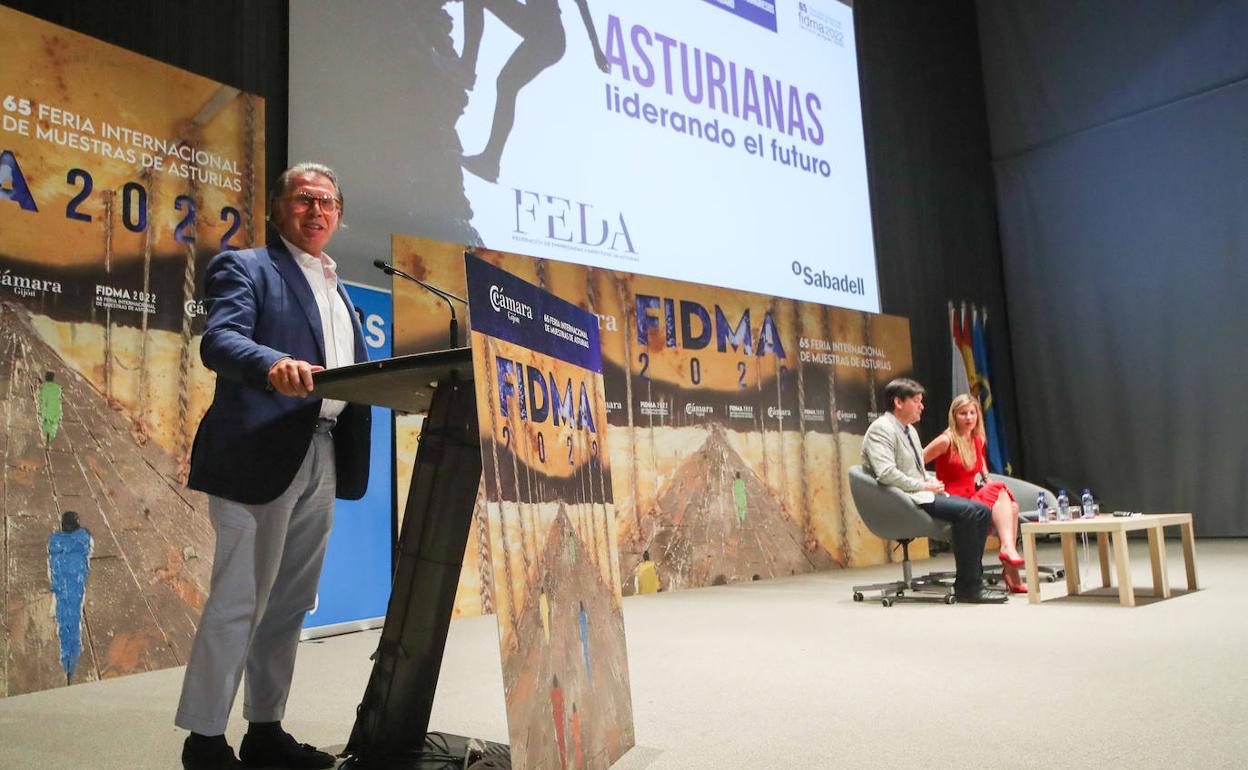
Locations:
963 334
980 352
1003 444
957 366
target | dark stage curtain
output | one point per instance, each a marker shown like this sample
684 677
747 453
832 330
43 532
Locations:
932 195
1120 144
235 42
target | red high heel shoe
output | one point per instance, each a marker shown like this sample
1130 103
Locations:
1007 560
1013 581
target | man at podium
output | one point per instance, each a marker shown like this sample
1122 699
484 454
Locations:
271 457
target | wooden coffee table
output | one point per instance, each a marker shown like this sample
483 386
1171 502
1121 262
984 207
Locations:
1106 526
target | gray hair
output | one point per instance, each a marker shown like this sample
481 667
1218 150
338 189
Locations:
282 185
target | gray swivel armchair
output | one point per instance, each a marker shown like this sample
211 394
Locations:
891 515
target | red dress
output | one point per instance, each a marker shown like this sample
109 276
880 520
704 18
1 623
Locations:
960 481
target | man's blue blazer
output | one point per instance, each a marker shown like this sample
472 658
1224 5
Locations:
252 439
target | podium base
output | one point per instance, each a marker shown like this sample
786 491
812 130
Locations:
441 751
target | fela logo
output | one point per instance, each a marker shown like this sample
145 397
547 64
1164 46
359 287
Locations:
563 219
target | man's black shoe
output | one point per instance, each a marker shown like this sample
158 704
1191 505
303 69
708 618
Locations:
982 597
279 749
209 756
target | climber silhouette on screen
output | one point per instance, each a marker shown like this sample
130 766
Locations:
543 43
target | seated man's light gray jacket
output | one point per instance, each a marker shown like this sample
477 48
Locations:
888 456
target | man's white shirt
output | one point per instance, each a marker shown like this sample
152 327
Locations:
336 327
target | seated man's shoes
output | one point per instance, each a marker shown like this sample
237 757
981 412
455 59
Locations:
214 756
982 597
279 749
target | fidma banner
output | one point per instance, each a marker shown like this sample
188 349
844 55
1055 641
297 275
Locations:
728 417
120 177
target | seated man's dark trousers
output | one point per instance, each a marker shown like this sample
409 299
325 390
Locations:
971 521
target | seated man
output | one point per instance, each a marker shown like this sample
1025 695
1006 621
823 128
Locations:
890 452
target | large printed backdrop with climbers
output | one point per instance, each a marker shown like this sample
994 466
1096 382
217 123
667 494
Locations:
119 178
731 418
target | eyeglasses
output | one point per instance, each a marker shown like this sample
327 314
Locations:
303 201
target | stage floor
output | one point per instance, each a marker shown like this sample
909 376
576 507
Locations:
792 673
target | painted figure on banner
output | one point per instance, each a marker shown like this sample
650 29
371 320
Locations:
962 466
646 576
544 607
556 713
271 456
50 409
890 453
543 43
583 621
738 495
577 760
69 562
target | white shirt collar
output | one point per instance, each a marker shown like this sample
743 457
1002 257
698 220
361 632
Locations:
304 259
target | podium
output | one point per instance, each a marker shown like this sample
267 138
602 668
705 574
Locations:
393 717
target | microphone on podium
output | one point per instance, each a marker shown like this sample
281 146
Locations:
389 269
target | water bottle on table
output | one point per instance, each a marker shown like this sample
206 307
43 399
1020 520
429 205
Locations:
1042 508
1088 505
1063 506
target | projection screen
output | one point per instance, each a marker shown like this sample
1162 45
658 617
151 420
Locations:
713 141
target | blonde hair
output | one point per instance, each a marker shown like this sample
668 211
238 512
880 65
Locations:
965 445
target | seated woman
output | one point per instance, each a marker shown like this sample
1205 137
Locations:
960 464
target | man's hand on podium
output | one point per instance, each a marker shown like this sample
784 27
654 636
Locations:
292 377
